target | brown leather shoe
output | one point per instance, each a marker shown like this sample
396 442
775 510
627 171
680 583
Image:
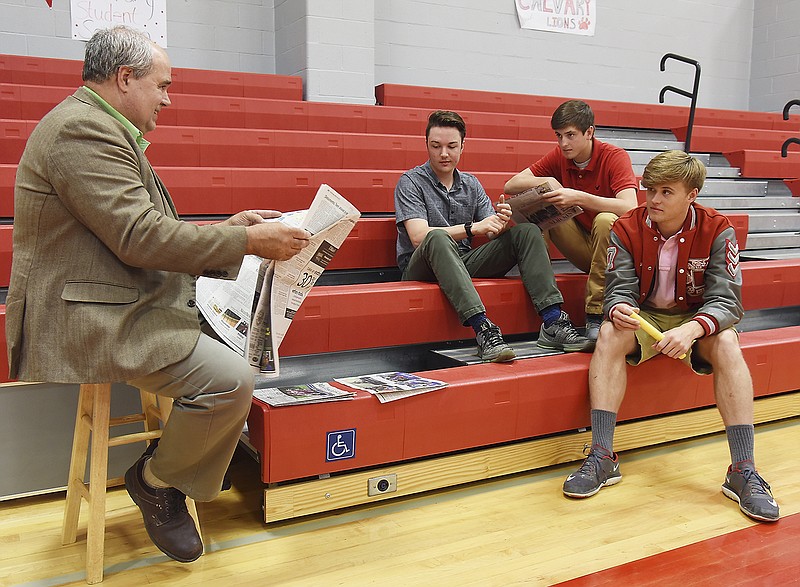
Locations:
165 516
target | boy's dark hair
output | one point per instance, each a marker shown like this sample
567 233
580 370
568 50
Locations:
446 118
575 113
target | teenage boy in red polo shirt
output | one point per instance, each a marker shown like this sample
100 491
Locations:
596 176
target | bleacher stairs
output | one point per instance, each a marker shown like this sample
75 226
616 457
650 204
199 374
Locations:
235 141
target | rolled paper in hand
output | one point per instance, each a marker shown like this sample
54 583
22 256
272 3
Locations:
652 330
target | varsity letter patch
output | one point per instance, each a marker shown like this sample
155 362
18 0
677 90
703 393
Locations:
611 254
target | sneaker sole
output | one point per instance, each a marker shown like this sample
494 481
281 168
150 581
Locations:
567 348
732 495
507 355
606 483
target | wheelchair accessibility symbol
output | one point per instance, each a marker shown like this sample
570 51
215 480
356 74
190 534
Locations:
341 445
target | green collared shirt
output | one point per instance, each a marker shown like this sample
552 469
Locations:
135 132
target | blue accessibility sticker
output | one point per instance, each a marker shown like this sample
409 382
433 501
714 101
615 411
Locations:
341 445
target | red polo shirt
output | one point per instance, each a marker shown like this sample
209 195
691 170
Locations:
608 173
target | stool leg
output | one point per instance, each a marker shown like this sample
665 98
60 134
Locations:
77 465
95 536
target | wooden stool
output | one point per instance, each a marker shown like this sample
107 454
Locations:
94 418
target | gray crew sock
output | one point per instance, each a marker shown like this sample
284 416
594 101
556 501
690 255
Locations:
741 443
603 423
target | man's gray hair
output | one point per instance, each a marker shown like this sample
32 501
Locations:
112 48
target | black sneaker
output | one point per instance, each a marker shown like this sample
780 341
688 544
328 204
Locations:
746 486
491 346
562 336
598 470
165 516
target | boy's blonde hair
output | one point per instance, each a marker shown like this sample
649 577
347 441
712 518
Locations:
672 166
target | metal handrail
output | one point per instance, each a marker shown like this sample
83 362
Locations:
788 106
793 140
691 95
785 146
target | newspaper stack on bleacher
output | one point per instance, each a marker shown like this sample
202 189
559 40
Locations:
308 393
532 205
391 386
252 313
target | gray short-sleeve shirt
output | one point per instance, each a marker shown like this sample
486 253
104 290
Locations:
420 194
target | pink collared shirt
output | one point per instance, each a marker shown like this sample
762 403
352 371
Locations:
663 295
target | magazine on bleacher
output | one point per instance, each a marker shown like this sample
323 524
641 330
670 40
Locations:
393 385
253 312
307 393
532 206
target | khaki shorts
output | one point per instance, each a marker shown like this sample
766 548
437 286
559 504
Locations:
664 320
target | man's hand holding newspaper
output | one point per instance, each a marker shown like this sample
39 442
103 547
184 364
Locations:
542 205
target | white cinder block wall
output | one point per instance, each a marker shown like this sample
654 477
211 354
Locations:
748 49
775 75
478 44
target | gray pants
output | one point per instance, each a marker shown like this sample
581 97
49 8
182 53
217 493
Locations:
438 259
212 389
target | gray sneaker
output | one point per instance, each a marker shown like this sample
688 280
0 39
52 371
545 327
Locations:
597 471
491 346
562 336
752 492
593 322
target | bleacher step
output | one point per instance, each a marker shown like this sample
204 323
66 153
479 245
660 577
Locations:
772 221
734 187
759 243
747 204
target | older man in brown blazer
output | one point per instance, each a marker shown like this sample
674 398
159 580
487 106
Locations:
102 281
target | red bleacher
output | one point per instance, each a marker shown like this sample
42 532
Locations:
607 113
39 71
547 395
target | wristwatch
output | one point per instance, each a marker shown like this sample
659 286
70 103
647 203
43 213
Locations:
468 229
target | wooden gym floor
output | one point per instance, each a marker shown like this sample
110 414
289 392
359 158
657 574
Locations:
667 523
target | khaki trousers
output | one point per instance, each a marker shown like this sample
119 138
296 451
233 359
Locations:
212 389
588 251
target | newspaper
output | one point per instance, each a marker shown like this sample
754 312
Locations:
253 313
530 206
308 393
393 385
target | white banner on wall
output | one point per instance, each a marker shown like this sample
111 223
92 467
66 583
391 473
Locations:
576 17
148 16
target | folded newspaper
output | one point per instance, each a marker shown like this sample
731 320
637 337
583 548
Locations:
308 393
252 313
391 386
531 205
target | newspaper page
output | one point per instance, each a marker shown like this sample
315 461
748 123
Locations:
329 220
530 206
393 385
227 305
252 313
308 393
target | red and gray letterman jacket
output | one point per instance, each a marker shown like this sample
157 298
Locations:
708 278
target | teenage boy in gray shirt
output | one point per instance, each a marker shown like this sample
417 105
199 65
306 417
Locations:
438 211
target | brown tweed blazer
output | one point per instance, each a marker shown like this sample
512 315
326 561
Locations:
102 285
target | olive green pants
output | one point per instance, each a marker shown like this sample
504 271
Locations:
437 259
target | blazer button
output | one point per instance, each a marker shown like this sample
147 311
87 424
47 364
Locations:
191 303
